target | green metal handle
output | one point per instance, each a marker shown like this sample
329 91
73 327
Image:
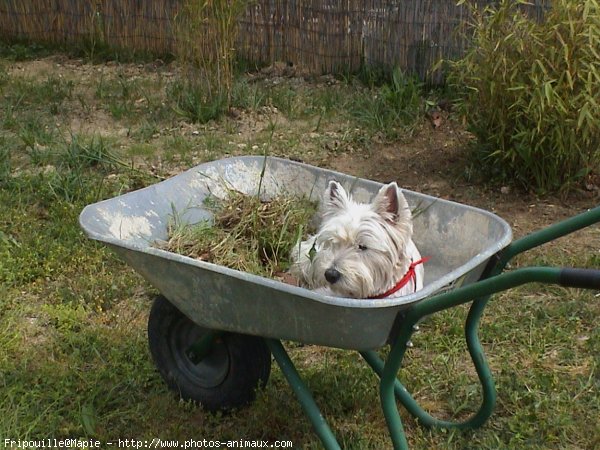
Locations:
485 288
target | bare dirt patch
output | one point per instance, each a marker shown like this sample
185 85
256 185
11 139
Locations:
434 162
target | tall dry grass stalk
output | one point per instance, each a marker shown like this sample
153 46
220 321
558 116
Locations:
206 31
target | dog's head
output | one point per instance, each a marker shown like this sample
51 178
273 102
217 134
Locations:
360 247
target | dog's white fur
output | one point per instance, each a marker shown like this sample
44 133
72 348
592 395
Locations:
368 245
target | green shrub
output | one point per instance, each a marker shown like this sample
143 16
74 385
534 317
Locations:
532 93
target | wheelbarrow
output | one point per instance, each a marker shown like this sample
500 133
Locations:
212 330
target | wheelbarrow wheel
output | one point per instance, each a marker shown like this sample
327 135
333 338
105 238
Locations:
224 375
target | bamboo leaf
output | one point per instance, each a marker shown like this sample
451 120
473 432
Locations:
582 116
548 92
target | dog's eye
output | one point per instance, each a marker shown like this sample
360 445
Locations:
362 247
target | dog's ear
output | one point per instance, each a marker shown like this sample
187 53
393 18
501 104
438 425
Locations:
335 196
391 204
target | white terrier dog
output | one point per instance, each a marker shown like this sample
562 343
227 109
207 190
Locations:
361 250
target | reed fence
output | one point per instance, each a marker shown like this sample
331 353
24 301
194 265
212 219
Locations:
318 36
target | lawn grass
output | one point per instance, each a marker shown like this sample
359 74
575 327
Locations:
73 346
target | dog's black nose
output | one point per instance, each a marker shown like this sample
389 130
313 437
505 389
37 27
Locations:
332 275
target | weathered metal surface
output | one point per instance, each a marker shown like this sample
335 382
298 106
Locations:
459 240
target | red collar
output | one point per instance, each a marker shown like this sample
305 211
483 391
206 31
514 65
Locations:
410 275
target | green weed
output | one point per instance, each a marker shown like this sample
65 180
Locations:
56 90
328 99
284 98
80 154
35 136
248 96
119 93
146 131
5 160
391 109
23 51
50 93
3 76
190 101
214 143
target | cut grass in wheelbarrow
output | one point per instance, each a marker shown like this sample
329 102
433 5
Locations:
247 233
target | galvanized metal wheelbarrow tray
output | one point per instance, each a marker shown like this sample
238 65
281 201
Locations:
469 249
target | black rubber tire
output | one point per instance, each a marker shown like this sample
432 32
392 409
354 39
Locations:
226 378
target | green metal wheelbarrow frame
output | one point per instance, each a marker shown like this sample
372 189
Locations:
492 281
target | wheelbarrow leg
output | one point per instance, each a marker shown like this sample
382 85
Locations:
390 385
303 394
